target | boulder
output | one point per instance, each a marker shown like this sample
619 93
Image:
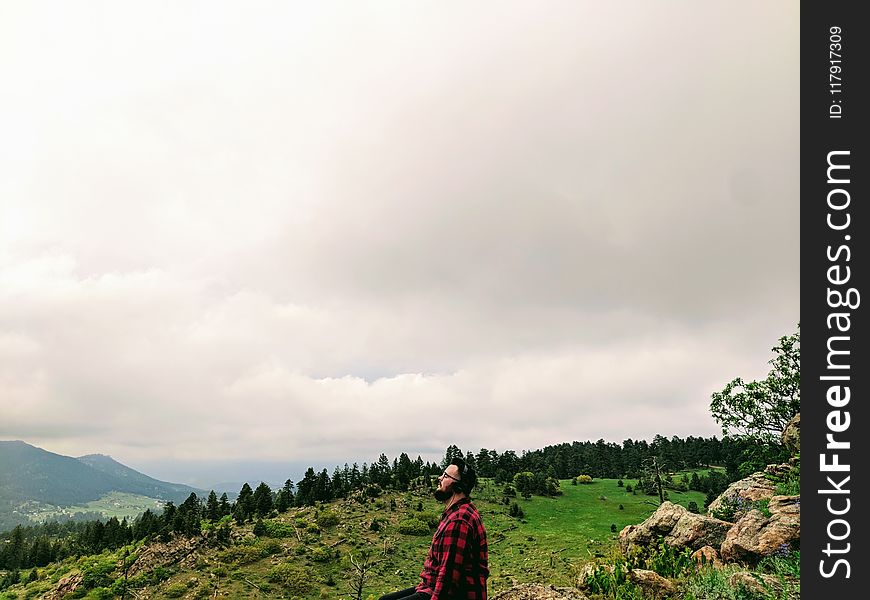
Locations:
677 526
754 536
535 591
751 489
164 554
708 555
791 435
651 583
65 586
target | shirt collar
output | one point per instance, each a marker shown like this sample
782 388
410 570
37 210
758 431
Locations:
455 506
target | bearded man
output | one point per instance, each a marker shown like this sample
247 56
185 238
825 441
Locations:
457 565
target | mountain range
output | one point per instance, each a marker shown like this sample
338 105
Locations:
31 476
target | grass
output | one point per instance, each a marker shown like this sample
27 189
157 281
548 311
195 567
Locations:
113 504
547 545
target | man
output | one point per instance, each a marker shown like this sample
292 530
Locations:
456 568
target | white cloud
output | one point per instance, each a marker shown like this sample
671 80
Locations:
312 232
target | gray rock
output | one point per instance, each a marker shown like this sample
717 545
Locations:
751 489
754 536
791 435
677 526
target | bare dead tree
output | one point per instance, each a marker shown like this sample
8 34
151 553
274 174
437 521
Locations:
359 573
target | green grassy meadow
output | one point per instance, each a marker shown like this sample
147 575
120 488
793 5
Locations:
113 504
302 559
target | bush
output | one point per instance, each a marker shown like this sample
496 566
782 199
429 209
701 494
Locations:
629 489
327 519
431 519
277 529
693 507
321 554
241 555
413 526
295 580
176 590
516 511
584 479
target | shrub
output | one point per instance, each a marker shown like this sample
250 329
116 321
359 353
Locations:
241 555
277 529
312 528
613 528
413 526
584 479
619 483
628 489
321 554
431 519
295 580
516 511
176 590
271 547
621 507
327 519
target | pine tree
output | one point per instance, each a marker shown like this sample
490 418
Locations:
212 507
244 507
262 500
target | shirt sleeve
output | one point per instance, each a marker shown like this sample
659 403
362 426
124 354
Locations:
455 543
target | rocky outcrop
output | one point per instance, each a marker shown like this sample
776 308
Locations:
65 586
791 435
534 591
677 526
755 535
708 555
651 583
162 555
751 489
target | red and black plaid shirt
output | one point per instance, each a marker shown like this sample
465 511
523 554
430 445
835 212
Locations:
457 565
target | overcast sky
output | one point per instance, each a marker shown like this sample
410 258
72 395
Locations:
320 231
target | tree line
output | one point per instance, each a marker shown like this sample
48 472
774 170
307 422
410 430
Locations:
39 545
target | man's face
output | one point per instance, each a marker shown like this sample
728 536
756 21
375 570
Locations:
446 482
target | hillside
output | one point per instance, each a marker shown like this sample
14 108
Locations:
135 482
31 478
305 552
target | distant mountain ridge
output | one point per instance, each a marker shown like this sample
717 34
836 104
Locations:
32 475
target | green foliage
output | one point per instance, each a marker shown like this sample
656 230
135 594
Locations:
176 590
321 554
515 511
241 555
96 572
293 579
278 529
327 519
413 526
693 507
790 483
761 409
584 479
733 506
712 584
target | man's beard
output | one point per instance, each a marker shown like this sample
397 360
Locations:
442 495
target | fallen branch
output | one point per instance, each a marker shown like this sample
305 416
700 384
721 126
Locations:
337 543
248 581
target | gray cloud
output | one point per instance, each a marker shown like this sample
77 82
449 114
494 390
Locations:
317 234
